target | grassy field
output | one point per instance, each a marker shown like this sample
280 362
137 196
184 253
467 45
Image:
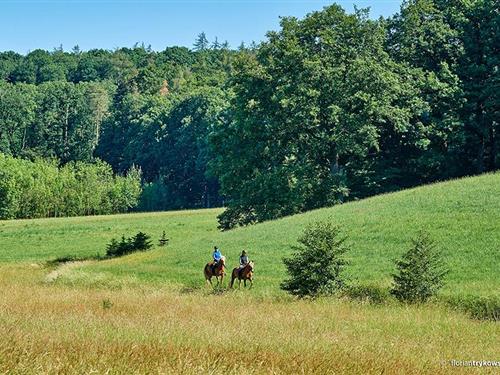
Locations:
152 313
463 216
56 329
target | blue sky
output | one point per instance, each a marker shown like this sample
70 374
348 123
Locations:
27 25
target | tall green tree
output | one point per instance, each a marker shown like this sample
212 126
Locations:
8 62
184 150
424 36
312 100
479 71
17 113
68 119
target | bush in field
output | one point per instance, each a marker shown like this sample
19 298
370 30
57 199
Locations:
139 242
421 271
317 264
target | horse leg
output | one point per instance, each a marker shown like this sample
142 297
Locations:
251 283
245 283
219 280
208 278
208 275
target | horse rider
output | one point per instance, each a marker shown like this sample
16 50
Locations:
243 260
217 256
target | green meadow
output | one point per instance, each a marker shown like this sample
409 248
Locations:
463 216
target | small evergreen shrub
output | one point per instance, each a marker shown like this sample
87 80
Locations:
116 249
139 242
317 264
421 271
163 240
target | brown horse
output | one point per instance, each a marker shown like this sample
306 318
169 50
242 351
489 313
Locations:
245 273
217 272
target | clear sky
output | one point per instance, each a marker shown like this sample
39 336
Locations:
27 25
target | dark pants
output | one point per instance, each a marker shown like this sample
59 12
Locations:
214 266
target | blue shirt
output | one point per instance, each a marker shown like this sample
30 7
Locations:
217 255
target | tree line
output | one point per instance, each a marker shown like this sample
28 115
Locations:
329 108
41 188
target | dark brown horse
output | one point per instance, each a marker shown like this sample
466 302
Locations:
217 271
245 273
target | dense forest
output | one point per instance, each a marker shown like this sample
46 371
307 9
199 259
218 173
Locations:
329 108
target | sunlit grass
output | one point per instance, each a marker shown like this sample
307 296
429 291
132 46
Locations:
47 328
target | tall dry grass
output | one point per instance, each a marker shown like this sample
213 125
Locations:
47 328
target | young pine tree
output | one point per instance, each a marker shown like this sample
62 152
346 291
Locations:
112 248
118 249
421 271
163 240
316 266
141 242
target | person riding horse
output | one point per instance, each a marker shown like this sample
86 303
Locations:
217 256
215 268
244 271
243 260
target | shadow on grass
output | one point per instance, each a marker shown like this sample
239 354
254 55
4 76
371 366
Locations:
71 258
480 308
372 294
476 307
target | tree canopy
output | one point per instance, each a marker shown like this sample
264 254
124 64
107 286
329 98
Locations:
331 107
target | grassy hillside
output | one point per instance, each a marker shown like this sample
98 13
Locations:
462 215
